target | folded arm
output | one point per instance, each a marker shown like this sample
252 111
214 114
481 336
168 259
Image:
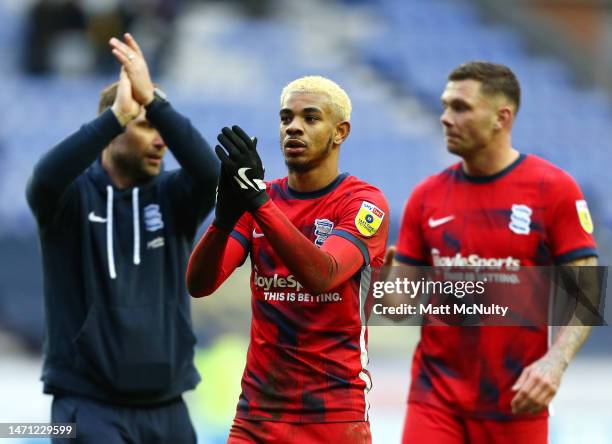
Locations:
318 270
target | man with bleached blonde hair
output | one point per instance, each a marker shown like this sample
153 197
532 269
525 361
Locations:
339 99
308 236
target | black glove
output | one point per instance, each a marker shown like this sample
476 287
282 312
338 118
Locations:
229 205
244 165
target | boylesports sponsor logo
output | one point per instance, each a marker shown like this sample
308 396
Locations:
276 281
459 260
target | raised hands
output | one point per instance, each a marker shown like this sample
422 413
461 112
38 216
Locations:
240 160
128 53
125 107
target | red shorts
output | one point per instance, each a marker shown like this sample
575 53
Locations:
427 424
245 431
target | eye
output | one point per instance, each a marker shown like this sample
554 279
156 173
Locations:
311 119
285 119
459 107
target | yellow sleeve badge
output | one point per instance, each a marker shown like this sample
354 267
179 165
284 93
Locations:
585 217
368 219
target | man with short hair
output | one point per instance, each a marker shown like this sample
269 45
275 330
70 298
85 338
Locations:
115 233
490 384
309 235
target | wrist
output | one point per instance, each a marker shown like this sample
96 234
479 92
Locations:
122 117
157 97
258 201
227 220
227 226
148 99
558 359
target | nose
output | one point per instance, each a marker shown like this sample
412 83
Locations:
445 119
158 142
294 128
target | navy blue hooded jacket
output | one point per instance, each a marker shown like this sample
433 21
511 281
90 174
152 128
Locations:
118 321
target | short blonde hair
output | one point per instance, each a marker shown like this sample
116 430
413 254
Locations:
321 85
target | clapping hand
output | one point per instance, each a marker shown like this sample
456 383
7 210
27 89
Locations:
242 163
130 56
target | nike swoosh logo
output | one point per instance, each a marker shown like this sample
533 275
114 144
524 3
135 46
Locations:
243 176
256 234
433 223
94 218
256 184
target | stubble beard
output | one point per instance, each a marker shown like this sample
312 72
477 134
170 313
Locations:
303 166
134 167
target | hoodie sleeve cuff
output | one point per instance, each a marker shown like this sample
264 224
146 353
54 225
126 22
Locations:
158 109
106 125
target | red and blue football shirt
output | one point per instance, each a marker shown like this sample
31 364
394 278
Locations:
531 213
307 356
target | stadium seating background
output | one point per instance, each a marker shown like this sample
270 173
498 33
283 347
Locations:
391 56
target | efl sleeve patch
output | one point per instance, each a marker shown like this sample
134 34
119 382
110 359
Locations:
368 219
585 216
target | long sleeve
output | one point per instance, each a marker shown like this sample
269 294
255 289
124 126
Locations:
59 167
214 258
317 269
199 165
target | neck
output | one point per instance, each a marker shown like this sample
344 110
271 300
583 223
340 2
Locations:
490 160
314 179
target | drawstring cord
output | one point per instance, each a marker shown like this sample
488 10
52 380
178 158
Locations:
110 253
109 233
136 219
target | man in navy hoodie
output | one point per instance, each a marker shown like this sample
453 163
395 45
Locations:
115 233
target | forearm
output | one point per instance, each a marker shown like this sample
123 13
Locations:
211 262
316 269
188 146
58 168
570 339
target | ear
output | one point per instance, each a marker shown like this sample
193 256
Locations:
341 132
504 118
